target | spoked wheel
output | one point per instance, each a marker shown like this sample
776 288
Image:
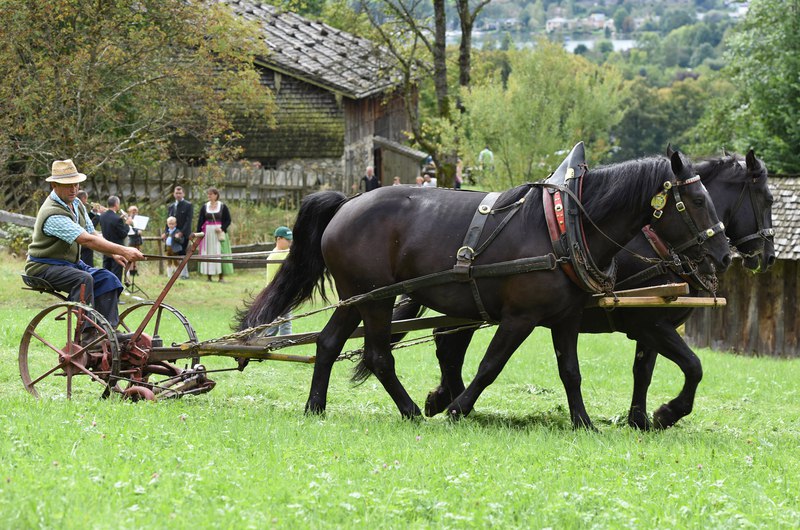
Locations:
68 340
168 327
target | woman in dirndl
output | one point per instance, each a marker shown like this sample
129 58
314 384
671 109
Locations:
214 220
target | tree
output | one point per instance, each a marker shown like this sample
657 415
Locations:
764 66
416 39
466 17
553 100
113 82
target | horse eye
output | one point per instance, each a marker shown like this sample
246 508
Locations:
699 202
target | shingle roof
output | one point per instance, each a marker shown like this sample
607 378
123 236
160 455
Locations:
319 53
786 216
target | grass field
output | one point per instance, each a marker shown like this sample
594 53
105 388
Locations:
245 455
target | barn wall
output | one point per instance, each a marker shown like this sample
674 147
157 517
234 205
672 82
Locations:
309 123
396 164
762 316
365 118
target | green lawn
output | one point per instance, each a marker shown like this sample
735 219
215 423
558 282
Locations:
245 455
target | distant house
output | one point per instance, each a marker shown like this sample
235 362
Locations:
762 316
559 24
337 107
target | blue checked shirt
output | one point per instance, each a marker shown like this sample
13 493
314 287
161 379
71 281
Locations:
63 227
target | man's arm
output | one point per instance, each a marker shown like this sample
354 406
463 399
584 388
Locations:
101 244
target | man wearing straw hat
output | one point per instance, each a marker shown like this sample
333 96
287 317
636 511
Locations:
62 227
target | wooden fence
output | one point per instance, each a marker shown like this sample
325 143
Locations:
140 185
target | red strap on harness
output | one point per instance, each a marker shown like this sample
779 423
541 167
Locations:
656 242
554 214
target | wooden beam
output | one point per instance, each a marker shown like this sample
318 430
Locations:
666 290
17 219
657 301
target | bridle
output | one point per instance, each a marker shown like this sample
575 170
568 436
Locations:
659 202
767 234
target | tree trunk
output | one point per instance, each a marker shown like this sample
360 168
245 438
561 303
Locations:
439 59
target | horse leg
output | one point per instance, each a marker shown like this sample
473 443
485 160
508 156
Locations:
378 357
329 345
509 336
565 343
671 345
451 349
643 365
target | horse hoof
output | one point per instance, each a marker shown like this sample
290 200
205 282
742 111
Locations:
314 409
435 403
584 423
664 417
413 414
639 420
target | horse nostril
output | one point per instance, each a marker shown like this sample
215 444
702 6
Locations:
726 261
770 260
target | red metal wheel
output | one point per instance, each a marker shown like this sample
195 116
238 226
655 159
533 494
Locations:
168 327
68 340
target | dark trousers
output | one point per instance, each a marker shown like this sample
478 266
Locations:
70 280
113 266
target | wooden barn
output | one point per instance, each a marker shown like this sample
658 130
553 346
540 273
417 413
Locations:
763 312
338 107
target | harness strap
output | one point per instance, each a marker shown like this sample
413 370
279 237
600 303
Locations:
554 215
466 253
490 270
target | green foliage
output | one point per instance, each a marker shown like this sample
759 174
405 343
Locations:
19 237
764 66
655 117
113 82
553 100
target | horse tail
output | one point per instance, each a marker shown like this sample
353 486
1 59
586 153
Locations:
303 270
405 308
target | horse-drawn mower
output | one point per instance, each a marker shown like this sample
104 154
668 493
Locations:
70 349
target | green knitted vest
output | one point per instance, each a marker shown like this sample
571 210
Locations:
44 246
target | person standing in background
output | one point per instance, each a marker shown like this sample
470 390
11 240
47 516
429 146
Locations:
134 236
213 221
459 178
283 240
114 230
183 212
369 181
87 254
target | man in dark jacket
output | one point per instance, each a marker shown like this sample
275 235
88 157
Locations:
115 230
183 211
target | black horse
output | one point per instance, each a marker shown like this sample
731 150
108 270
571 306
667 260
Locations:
397 234
742 198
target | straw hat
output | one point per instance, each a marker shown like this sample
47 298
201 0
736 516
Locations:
65 172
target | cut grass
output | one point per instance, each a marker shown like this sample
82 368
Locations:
245 455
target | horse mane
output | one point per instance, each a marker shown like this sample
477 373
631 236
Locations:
611 188
711 167
511 195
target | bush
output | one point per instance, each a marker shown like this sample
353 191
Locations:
17 238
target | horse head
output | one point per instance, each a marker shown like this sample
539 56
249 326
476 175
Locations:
684 205
755 244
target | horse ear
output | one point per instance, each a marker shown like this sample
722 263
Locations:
669 150
725 152
677 162
750 159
